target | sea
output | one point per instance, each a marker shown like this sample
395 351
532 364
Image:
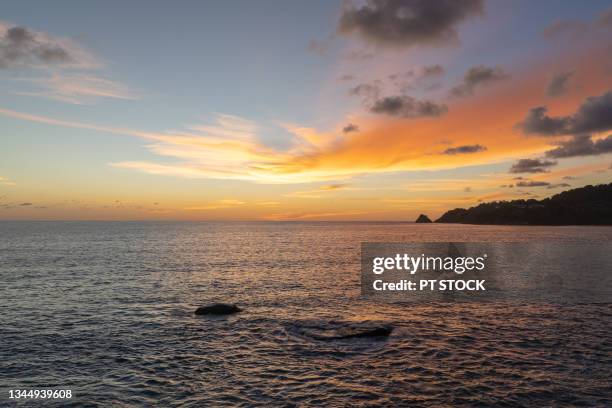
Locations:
106 310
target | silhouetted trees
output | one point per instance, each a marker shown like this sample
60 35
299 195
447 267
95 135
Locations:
589 205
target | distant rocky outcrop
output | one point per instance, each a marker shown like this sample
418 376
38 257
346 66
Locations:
589 205
217 309
423 219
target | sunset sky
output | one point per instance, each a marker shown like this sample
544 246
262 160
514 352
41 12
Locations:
299 110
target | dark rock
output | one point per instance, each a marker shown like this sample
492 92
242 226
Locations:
382 331
376 332
423 219
217 309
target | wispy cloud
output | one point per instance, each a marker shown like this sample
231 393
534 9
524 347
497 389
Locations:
532 166
320 192
233 148
465 149
60 68
559 84
217 205
477 77
577 28
78 88
532 183
6 182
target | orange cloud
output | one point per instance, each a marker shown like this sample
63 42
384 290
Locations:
488 119
230 147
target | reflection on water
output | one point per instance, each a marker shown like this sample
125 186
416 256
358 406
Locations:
106 309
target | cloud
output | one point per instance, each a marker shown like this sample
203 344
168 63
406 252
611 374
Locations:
593 115
350 128
406 23
432 71
318 47
368 91
558 84
204 151
79 88
6 182
576 28
218 205
531 166
398 103
604 18
332 187
565 28
560 185
465 149
581 145
21 47
407 107
318 193
18 46
63 69
231 148
537 121
25 204
476 77
531 183
359 55
423 77
375 98
228 149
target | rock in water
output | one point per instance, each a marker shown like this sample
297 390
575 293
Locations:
217 309
423 219
376 332
355 333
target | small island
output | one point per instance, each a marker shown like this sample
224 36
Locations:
589 205
423 219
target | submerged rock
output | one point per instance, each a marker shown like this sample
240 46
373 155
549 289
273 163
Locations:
382 331
423 219
217 309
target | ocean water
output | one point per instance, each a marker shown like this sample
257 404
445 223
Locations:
105 309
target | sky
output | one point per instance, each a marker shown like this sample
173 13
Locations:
287 110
